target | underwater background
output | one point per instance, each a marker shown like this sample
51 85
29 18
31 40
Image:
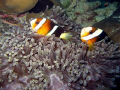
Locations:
29 61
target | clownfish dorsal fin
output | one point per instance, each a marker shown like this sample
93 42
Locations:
40 24
95 34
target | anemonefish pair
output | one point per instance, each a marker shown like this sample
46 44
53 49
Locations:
48 27
91 35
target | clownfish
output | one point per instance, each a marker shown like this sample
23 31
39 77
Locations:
91 35
48 27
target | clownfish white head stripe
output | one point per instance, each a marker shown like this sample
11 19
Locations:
53 30
86 29
93 35
40 24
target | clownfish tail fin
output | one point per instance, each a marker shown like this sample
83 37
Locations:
66 36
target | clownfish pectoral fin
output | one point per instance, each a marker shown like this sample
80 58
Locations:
91 46
66 36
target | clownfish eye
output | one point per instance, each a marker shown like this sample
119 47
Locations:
90 32
37 22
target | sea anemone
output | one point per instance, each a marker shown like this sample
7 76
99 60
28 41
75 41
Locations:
58 15
35 62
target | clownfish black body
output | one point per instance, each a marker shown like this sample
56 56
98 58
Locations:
47 27
91 35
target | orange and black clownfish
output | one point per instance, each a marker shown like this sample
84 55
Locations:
47 27
91 35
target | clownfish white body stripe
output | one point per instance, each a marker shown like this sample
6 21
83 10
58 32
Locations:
47 27
53 30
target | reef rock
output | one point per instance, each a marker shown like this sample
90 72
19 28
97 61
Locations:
88 12
17 6
111 25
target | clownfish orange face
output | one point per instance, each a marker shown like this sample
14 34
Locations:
90 34
47 27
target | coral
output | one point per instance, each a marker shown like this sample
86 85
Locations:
65 3
56 2
17 6
41 6
86 12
